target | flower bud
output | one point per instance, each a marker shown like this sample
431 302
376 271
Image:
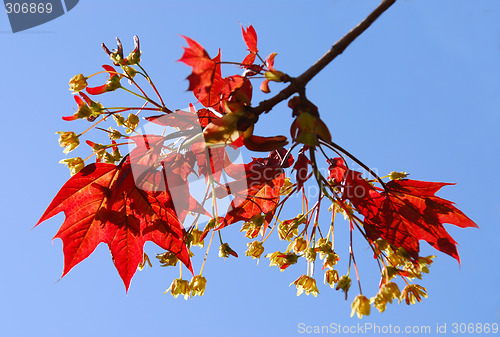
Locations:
74 164
254 249
306 284
77 83
69 140
307 128
398 175
275 75
197 285
360 306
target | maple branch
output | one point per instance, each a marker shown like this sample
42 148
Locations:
297 84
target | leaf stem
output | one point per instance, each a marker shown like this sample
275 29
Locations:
338 48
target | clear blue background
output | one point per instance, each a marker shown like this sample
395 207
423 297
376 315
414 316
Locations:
418 92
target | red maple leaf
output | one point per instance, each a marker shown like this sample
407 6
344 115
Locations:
205 80
103 203
404 213
250 38
410 212
261 193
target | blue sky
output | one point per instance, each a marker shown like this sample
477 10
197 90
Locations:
418 92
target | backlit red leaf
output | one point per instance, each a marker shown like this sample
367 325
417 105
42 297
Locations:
261 193
250 38
404 213
103 203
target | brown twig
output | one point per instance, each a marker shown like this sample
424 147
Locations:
300 82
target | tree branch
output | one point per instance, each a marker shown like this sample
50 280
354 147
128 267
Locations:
300 82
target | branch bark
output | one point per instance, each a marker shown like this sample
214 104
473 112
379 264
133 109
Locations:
300 82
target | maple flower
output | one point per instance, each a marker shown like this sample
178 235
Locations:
299 244
180 287
281 260
254 249
197 285
323 247
288 229
77 83
111 84
391 291
386 293
117 55
114 134
74 164
135 55
306 284
425 262
310 254
87 108
197 238
100 152
331 277
225 251
360 306
131 123
344 284
331 260
251 229
167 259
69 140
253 226
82 112
129 71
411 294
287 187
